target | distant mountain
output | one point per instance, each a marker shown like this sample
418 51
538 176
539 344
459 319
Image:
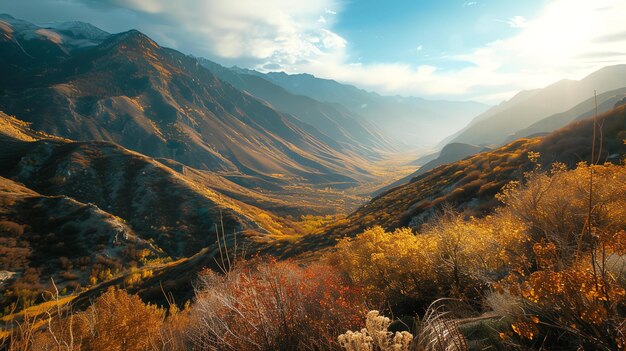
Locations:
606 101
412 120
79 30
450 153
159 102
343 126
496 125
469 185
31 44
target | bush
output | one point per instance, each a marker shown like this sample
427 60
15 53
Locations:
452 258
116 321
272 306
570 290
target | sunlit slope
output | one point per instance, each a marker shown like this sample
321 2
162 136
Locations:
469 185
159 102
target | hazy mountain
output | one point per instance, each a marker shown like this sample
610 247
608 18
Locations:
606 101
343 126
526 108
157 101
450 153
412 120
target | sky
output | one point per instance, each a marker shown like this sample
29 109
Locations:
483 50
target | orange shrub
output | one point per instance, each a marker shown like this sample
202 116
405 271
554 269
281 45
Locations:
273 306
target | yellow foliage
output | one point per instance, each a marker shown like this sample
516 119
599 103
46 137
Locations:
116 321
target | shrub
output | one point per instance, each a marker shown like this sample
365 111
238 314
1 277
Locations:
272 306
452 258
570 290
116 321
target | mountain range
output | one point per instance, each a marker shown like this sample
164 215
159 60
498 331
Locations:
122 156
130 91
412 120
496 125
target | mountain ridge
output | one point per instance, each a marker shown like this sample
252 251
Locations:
410 114
527 107
172 105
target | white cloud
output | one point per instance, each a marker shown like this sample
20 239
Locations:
281 32
470 3
419 48
515 21
568 39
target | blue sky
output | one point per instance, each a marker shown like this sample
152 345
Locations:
485 50
423 32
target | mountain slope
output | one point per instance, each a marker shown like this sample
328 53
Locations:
496 125
180 214
159 102
450 153
469 185
44 237
606 101
341 125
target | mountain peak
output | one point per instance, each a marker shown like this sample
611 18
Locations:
132 34
132 38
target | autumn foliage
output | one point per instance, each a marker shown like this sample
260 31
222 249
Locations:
273 306
553 251
546 270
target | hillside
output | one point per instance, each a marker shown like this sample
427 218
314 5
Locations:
46 237
176 212
450 153
469 185
526 108
159 102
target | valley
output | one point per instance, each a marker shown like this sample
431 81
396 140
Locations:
239 209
